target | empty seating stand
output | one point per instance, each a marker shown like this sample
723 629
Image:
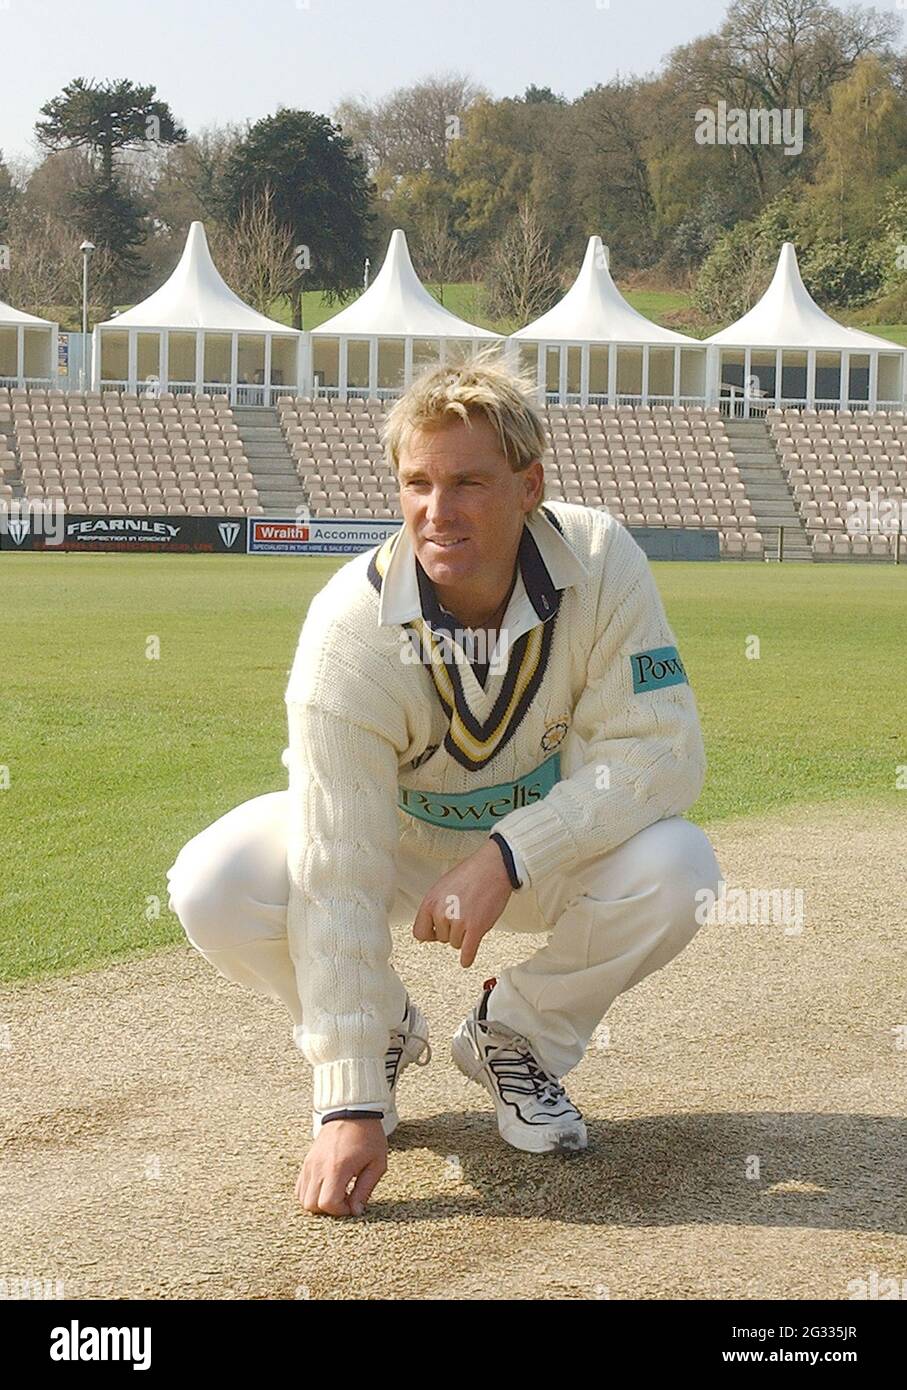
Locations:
122 455
847 471
658 466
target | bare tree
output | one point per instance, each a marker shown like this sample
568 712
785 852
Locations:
257 256
45 263
520 280
410 130
789 52
439 257
778 55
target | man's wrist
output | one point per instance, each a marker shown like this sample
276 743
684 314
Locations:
507 856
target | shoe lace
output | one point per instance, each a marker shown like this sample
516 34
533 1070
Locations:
398 1041
546 1088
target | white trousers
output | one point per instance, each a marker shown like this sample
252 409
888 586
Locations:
610 921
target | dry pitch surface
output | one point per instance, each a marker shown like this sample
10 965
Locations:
153 1119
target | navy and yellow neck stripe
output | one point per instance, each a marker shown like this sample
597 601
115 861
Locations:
470 741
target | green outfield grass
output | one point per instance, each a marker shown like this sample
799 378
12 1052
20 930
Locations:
115 760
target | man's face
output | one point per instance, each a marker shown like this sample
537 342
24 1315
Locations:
456 486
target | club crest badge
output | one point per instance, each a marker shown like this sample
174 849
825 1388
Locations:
554 735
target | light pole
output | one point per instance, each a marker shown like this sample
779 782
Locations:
86 248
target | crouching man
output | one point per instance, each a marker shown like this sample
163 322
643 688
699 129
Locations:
490 727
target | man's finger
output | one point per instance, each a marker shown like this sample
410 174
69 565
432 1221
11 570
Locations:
366 1182
310 1190
424 927
307 1186
457 933
332 1198
471 943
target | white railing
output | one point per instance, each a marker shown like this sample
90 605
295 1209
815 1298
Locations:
380 393
248 394
332 393
602 398
243 393
28 383
738 406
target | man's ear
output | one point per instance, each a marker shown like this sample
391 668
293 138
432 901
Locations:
535 482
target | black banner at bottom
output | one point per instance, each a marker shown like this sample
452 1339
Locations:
287 1335
58 531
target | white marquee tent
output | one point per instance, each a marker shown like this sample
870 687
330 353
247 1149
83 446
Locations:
787 351
594 346
194 334
28 349
391 333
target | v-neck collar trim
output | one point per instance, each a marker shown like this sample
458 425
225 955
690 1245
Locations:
476 732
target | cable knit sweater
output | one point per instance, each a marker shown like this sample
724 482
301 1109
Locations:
377 720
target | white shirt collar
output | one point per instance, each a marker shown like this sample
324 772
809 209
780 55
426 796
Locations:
400 600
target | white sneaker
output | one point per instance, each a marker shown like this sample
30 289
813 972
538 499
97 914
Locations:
408 1043
534 1111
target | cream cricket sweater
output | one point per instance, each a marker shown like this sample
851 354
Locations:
584 734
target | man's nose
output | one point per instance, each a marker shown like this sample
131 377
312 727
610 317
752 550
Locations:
441 504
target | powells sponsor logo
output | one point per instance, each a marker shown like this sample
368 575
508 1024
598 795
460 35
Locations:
228 532
483 807
657 668
17 530
554 735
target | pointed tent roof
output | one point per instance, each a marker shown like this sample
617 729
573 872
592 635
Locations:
788 316
397 305
10 317
196 296
594 310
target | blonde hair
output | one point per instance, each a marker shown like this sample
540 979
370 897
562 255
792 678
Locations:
482 386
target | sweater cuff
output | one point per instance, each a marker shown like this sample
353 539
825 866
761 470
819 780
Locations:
354 1113
352 1081
507 855
538 835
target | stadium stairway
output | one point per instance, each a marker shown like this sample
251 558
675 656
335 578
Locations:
9 443
270 463
767 489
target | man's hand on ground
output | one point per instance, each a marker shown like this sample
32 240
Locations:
465 903
343 1150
